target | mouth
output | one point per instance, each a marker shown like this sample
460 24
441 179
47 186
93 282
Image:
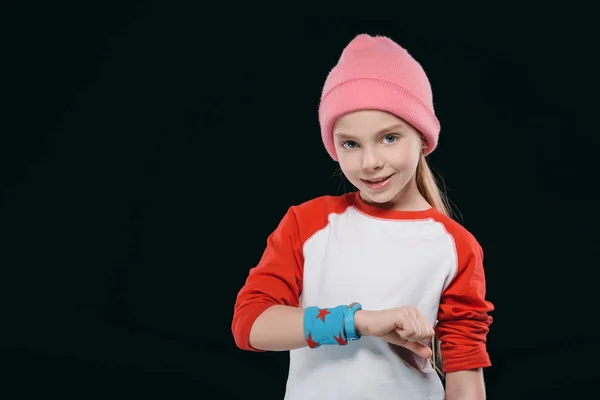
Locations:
377 183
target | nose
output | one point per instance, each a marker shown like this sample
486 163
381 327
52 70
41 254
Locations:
371 160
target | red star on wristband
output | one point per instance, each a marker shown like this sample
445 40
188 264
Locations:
341 341
322 313
312 344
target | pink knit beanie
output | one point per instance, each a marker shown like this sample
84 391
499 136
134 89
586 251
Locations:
376 73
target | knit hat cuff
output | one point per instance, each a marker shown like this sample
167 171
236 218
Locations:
374 94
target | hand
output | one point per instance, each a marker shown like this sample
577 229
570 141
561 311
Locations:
404 326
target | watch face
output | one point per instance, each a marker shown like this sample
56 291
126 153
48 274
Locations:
352 304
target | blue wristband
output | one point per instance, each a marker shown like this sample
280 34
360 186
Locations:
324 326
349 326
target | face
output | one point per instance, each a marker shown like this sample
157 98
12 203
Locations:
378 153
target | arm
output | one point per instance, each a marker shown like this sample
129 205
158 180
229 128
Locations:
463 324
465 385
281 328
266 314
278 328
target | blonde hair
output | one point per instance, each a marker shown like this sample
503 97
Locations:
428 187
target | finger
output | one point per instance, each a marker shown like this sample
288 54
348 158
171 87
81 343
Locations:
419 330
408 338
423 331
427 330
393 338
414 328
419 349
408 327
413 317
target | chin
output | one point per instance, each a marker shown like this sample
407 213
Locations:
382 198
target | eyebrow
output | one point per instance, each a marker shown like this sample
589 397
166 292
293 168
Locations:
343 135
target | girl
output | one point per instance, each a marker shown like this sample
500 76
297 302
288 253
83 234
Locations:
358 287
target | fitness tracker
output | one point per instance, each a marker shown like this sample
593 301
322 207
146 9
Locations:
349 327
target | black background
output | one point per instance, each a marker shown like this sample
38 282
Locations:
147 151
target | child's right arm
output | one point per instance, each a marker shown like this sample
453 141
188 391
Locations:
267 314
281 328
278 328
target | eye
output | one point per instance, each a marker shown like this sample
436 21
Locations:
390 138
349 144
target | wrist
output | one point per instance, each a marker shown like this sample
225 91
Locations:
349 324
359 322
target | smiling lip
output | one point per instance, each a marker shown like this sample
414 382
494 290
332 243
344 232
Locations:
377 184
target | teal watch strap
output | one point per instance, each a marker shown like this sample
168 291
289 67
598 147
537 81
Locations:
350 329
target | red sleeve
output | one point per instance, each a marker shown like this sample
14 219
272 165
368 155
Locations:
277 279
463 320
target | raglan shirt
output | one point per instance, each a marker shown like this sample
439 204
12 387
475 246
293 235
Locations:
336 250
